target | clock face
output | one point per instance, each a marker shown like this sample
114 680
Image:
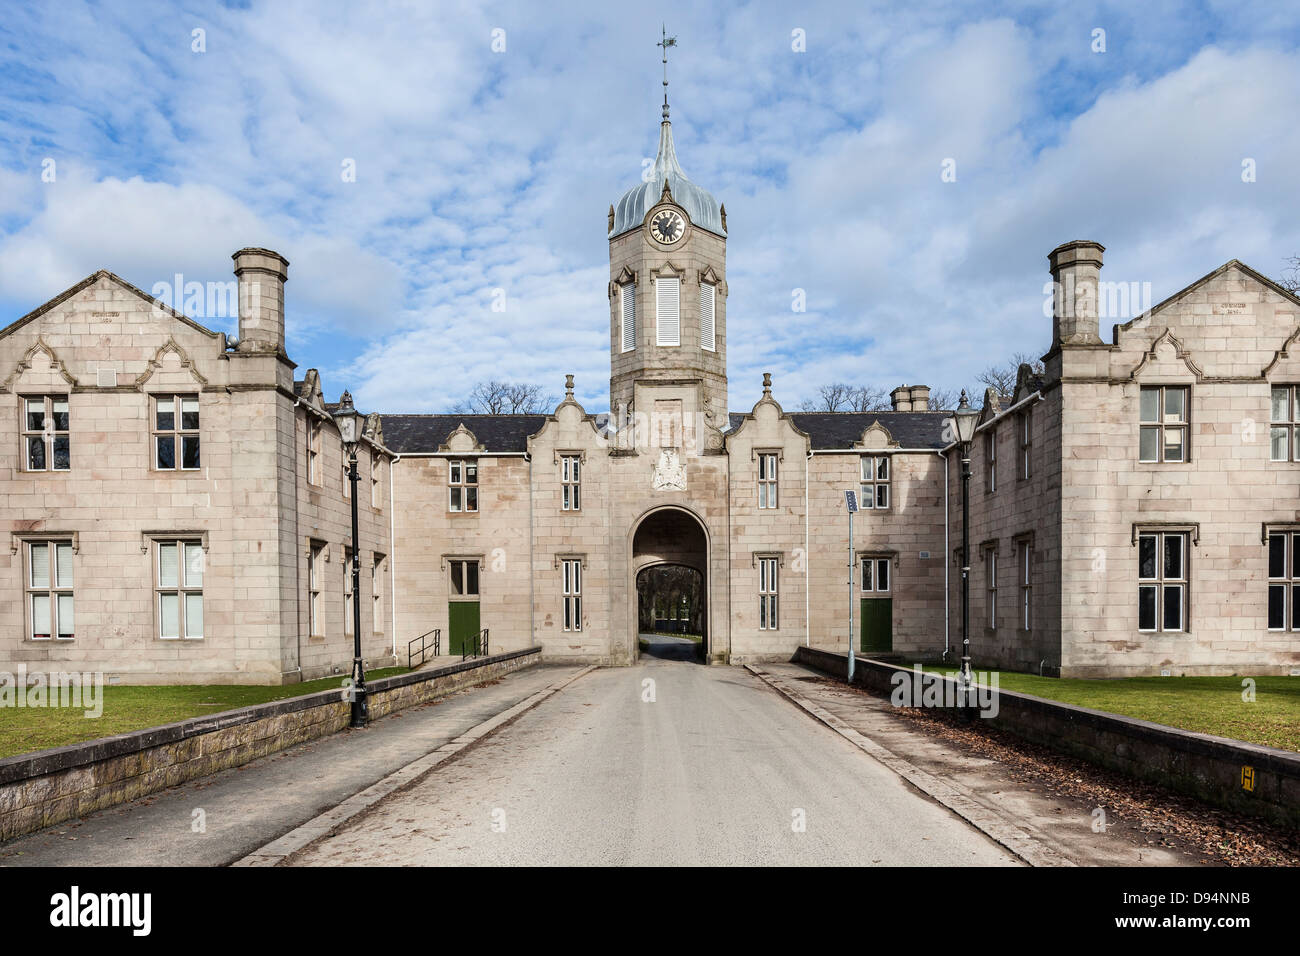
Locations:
667 226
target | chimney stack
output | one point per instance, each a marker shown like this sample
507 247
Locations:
262 275
1076 269
901 398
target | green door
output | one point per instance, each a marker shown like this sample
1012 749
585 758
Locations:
877 625
462 626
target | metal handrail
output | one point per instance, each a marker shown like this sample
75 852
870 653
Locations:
480 646
425 644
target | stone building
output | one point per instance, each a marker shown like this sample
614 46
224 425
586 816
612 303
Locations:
177 511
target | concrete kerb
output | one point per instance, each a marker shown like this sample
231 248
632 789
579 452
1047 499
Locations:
279 851
952 796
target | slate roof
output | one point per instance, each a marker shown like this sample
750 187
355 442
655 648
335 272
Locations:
410 434
842 429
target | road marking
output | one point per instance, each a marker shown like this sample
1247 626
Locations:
302 836
955 797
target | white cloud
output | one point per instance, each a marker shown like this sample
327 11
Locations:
479 171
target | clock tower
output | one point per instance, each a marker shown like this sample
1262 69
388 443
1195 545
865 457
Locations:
668 294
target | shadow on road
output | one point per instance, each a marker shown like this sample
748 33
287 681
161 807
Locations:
668 648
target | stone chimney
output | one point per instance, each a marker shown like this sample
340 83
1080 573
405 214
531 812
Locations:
902 398
262 275
1076 269
920 398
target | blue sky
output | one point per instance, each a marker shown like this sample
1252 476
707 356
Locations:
479 170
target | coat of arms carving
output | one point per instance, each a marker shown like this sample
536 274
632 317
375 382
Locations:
670 473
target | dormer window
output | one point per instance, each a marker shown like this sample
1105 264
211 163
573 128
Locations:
462 484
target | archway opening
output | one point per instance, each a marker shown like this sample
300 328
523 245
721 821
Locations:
670 578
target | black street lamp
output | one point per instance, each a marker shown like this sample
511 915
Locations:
964 420
349 421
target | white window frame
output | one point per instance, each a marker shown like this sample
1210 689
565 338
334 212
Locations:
769 584
668 304
1287 582
627 315
991 587
1288 424
462 479
570 482
178 433
182 590
315 555
571 593
48 435
313 451
768 479
1161 425
1162 582
708 316
55 589
876 574
874 483
377 594
1025 558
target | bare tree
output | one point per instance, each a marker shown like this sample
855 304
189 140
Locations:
1002 378
1291 278
945 399
495 397
842 397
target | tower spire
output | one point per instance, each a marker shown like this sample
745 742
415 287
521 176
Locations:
665 43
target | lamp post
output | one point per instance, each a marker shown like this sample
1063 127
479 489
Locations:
348 420
964 420
851 503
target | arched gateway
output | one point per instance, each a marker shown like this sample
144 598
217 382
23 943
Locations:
670 537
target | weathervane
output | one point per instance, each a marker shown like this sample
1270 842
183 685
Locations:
666 42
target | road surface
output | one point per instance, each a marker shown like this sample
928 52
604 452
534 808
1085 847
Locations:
665 763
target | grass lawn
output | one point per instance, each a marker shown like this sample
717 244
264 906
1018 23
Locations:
23 730
1207 705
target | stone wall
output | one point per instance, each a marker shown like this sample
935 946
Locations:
1204 766
51 786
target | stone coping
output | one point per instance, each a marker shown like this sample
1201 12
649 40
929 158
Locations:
1284 762
41 762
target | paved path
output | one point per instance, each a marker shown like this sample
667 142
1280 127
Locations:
1057 827
251 805
718 769
669 648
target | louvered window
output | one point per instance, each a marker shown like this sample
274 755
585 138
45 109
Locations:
708 338
668 316
629 316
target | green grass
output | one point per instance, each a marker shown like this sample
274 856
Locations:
1207 705
23 730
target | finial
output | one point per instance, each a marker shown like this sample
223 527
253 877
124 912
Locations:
345 401
666 42
767 384
568 386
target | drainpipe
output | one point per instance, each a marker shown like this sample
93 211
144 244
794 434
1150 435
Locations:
297 575
392 553
946 552
532 572
807 559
